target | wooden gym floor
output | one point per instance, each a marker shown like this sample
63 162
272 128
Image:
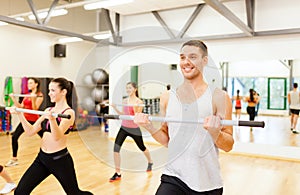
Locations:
246 170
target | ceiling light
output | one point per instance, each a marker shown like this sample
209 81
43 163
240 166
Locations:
58 12
20 19
102 36
3 23
105 4
69 39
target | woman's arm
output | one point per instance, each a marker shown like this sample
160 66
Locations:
116 109
29 129
37 101
138 109
16 102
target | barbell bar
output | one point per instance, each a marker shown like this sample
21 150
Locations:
67 116
106 104
90 116
199 121
23 95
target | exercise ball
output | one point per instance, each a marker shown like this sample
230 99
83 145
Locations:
88 104
88 80
98 109
100 76
99 94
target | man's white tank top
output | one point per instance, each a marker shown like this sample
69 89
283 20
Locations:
295 100
192 154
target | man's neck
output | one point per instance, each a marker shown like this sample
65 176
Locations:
196 83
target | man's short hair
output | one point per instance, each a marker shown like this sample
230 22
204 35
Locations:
295 85
197 43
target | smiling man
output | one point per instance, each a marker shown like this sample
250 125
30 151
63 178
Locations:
193 164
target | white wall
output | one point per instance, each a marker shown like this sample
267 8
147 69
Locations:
258 48
26 52
154 77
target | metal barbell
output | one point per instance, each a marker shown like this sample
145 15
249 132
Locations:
38 112
23 95
107 104
199 121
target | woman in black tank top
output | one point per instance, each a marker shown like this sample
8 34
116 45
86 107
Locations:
54 157
46 124
252 100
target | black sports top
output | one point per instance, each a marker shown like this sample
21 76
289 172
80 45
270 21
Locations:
46 124
252 101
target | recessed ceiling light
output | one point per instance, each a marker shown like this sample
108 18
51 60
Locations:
106 3
69 39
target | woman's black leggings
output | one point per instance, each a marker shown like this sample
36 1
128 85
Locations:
136 135
251 112
60 164
15 137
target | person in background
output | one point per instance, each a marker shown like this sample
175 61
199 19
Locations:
238 104
10 185
168 87
33 103
104 109
252 101
132 105
294 105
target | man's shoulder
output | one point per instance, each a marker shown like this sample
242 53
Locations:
219 95
218 92
165 96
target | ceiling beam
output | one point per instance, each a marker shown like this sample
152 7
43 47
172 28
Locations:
190 20
51 9
181 40
284 64
46 29
176 40
34 11
278 32
224 11
64 6
117 28
163 24
215 37
250 13
117 24
110 26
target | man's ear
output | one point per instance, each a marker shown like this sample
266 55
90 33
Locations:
205 60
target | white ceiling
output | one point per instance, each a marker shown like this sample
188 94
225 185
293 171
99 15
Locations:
17 7
86 18
68 25
143 6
